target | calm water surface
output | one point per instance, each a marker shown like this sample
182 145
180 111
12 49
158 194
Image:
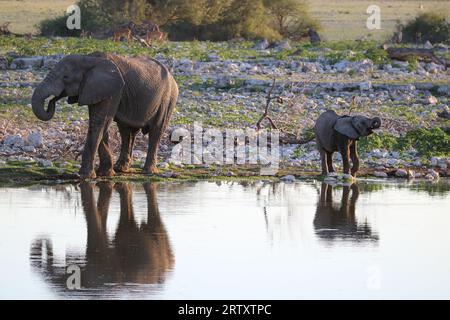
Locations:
211 240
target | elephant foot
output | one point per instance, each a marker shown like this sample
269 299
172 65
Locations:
151 170
105 172
120 167
87 175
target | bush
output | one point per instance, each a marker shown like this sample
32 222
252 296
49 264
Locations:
427 142
377 141
215 20
429 26
92 19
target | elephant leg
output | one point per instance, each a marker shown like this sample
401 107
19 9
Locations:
104 153
155 134
324 161
99 116
330 161
355 158
346 160
128 136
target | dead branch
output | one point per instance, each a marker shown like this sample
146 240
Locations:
265 115
285 137
404 54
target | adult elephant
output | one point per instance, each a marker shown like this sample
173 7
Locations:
137 93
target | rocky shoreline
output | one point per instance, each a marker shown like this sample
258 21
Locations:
230 93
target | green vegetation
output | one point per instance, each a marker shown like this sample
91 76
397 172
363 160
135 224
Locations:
427 142
194 19
196 50
427 26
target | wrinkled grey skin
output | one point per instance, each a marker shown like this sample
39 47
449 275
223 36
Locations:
334 133
137 93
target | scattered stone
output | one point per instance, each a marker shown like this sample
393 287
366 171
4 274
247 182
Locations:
35 139
45 163
163 165
168 174
434 161
380 174
28 149
345 176
428 45
285 45
401 173
27 63
364 86
392 162
14 140
434 174
3 63
288 178
263 45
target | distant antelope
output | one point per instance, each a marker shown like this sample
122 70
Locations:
123 32
155 34
4 28
85 34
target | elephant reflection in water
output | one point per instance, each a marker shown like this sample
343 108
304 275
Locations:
138 253
339 222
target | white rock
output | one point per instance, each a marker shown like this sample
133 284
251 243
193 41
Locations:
27 63
428 45
401 173
35 139
28 149
288 178
434 161
168 174
392 162
45 163
364 86
13 140
264 44
380 174
433 173
345 176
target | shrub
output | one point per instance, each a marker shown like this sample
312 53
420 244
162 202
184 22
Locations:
215 20
427 142
428 26
92 18
377 141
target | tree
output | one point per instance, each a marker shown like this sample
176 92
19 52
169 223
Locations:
289 17
248 19
427 26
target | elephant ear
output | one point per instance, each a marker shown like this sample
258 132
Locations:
344 126
101 82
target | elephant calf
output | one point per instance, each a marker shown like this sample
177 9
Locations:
341 133
138 93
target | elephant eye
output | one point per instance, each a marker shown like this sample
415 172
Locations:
65 77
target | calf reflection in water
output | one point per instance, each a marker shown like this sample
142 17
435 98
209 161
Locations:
138 253
333 222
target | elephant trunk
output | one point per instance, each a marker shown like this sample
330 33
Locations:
41 93
376 123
